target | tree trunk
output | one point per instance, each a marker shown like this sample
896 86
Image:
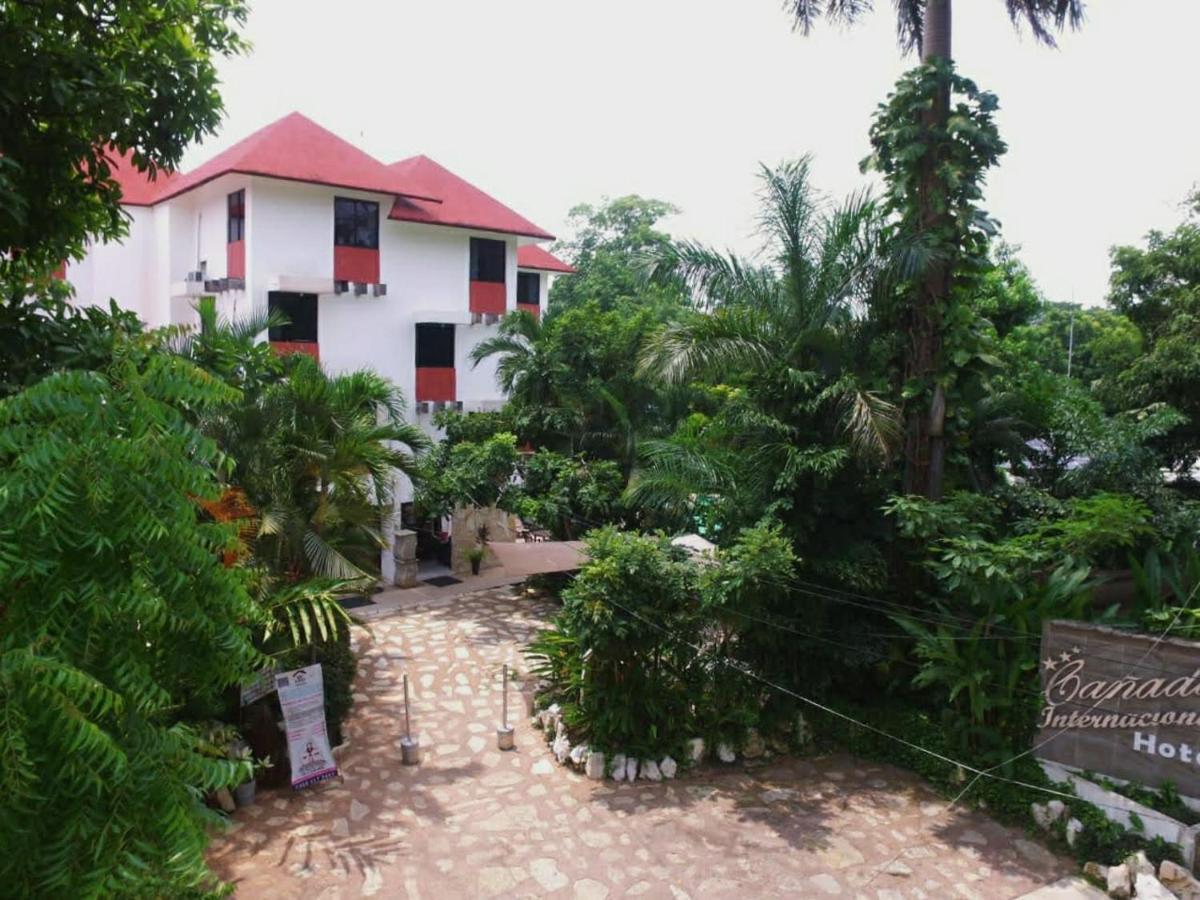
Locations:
925 451
935 31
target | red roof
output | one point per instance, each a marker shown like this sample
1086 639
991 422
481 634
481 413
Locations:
296 148
463 205
532 256
137 188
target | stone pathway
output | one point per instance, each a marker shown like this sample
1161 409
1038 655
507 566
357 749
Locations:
471 821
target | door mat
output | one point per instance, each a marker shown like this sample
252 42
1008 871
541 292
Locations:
442 581
355 602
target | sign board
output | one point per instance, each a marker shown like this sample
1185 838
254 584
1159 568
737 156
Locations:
263 684
1121 704
302 696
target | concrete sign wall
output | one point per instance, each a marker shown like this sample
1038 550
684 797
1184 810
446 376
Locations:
1119 704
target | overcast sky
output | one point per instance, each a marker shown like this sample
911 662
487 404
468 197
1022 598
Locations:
549 103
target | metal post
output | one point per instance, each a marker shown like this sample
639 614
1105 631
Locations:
504 734
410 748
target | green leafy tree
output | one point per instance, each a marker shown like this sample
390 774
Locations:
1091 344
606 250
934 167
467 474
927 186
1006 294
1158 288
84 83
116 612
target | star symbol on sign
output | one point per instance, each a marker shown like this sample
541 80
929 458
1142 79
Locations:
1076 650
1065 656
1050 664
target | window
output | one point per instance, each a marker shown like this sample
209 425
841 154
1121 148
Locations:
435 346
355 223
487 260
301 313
529 287
236 227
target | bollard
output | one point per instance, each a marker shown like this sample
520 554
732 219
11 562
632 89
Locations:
410 747
504 734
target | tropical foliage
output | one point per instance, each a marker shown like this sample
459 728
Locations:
117 611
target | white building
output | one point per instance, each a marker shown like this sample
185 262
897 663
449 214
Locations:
400 268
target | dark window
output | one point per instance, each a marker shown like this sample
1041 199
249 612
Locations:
529 287
301 313
355 223
435 346
487 260
237 216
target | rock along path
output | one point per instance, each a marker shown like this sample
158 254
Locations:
471 821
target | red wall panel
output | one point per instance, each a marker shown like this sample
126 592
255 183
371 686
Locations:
436 384
310 347
355 264
487 297
235 259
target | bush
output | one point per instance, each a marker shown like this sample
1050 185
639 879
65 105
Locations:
620 658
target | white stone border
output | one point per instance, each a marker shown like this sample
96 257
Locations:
1118 808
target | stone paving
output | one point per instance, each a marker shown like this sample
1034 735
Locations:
471 821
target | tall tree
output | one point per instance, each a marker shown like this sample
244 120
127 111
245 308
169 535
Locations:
787 337
924 26
1158 288
608 242
82 84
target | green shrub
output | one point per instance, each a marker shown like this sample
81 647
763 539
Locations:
620 657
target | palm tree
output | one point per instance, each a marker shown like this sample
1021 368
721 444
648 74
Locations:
790 334
320 467
313 456
925 26
535 378
528 371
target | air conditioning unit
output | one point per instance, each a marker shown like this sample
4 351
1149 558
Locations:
458 405
423 406
192 277
491 318
379 290
360 288
476 318
439 405
340 287
235 284
217 285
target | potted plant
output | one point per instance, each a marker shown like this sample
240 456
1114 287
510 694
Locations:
475 556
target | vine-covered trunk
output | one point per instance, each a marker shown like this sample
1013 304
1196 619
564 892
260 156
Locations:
925 450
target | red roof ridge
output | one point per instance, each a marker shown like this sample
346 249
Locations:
462 204
295 148
531 256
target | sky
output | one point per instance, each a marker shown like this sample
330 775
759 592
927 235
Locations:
549 103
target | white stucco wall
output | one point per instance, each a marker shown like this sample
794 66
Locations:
116 270
289 233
